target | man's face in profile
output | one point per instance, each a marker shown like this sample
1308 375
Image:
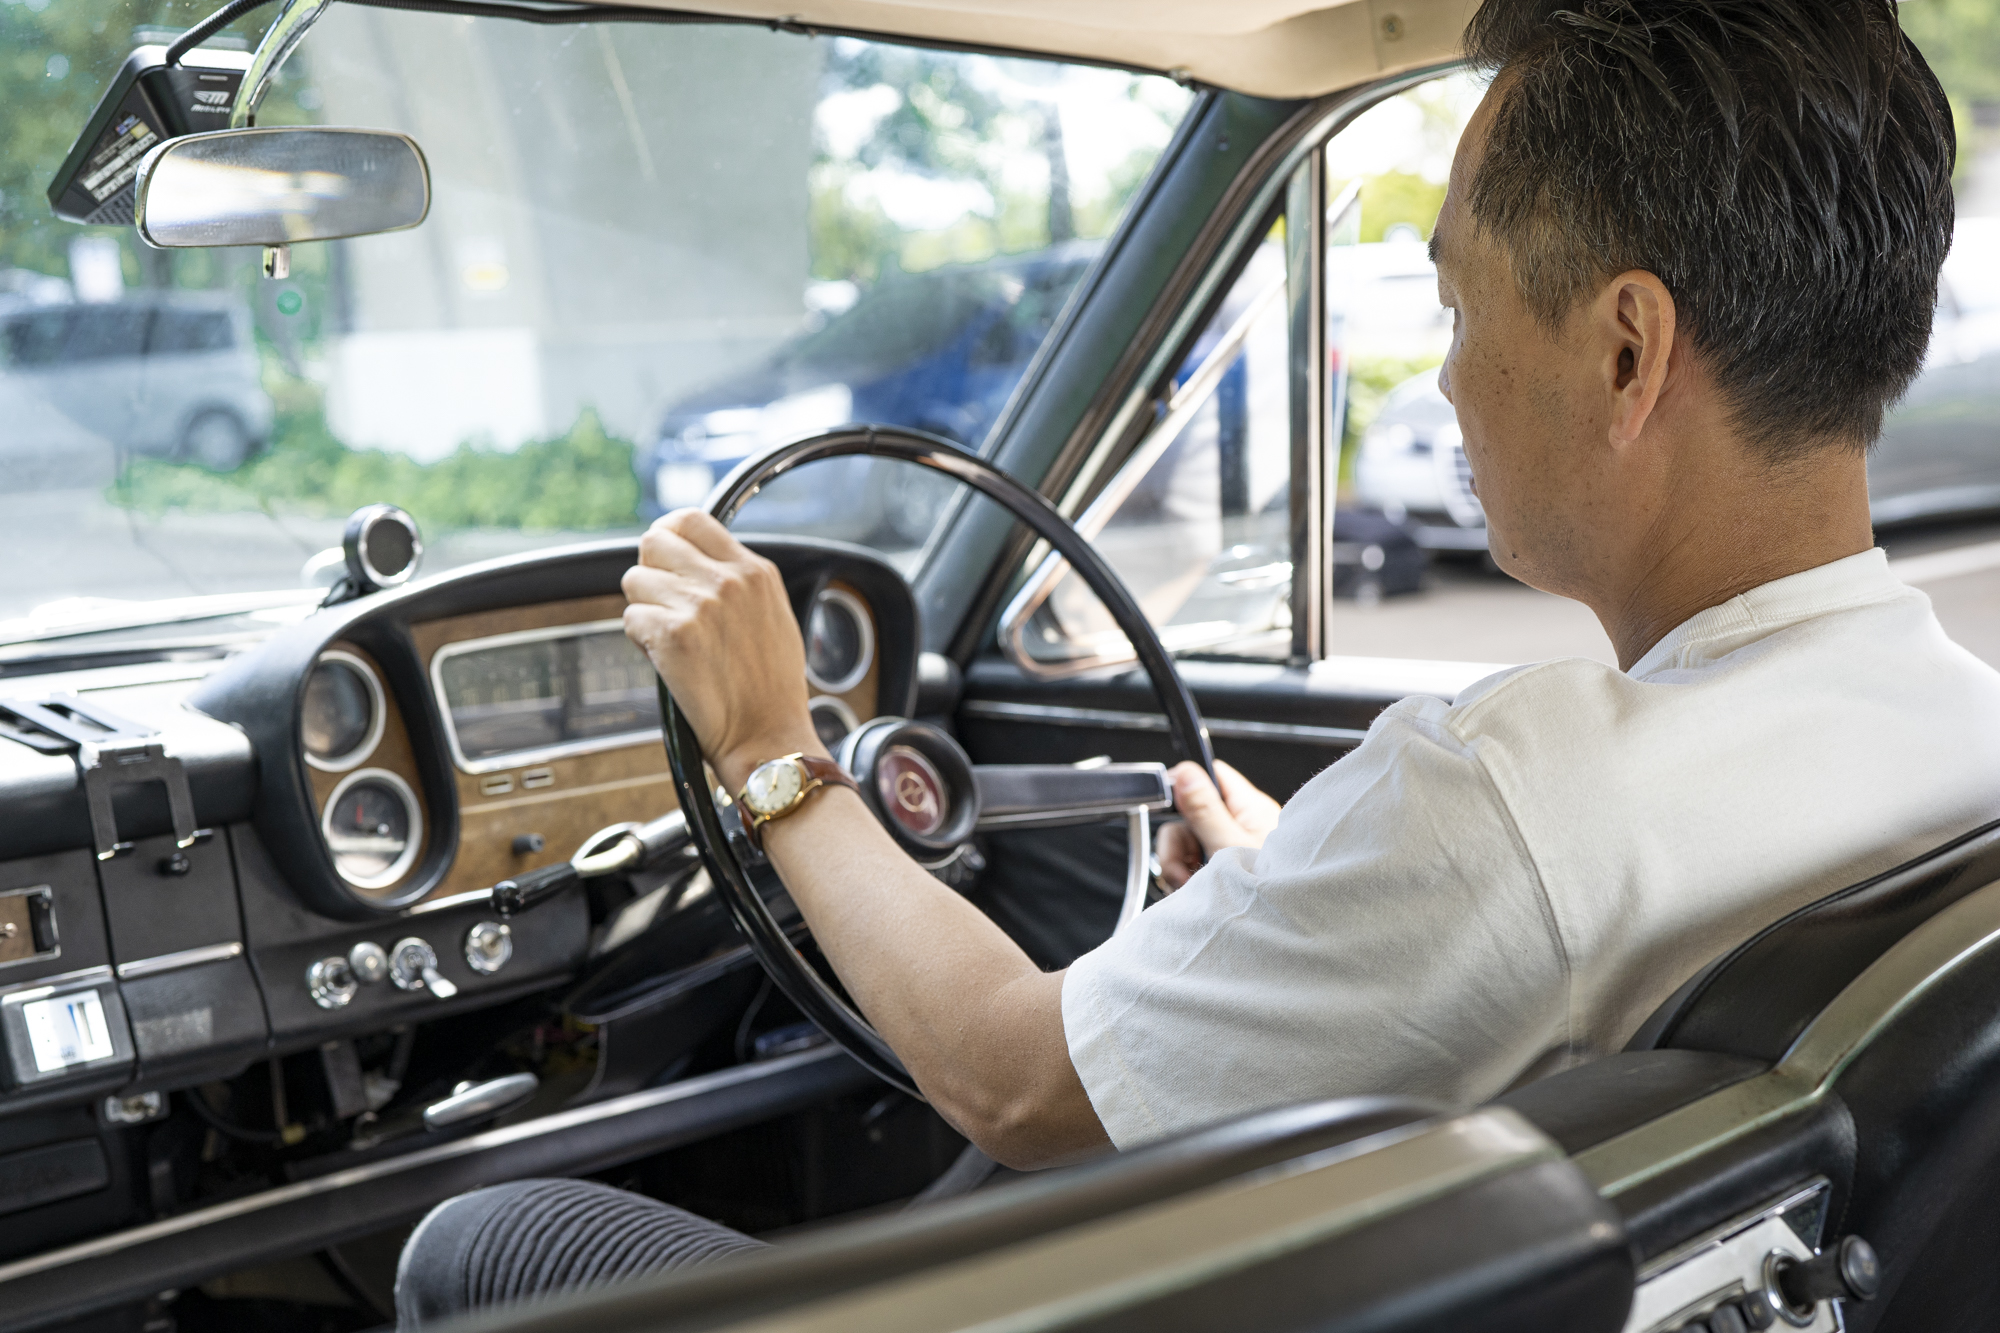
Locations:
1513 386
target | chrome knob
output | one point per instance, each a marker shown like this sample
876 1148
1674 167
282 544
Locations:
413 965
331 983
488 946
370 962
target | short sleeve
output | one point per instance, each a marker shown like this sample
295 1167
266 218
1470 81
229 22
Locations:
1391 937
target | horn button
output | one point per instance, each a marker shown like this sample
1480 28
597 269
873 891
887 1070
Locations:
919 782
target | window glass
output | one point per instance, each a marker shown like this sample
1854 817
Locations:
1412 577
652 250
1199 518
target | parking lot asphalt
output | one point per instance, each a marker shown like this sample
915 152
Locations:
1469 614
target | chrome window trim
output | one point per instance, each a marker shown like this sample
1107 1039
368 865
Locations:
523 758
378 721
865 619
1806 1073
173 962
999 710
1182 406
401 865
1104 459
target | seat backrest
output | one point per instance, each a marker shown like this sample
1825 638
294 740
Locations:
1856 1042
1334 1217
1756 999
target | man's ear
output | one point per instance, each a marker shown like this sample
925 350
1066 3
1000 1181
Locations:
1638 324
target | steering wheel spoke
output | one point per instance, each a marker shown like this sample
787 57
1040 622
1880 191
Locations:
1021 796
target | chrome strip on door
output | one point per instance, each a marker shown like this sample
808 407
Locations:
1122 720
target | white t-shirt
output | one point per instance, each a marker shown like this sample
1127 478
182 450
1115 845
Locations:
1490 890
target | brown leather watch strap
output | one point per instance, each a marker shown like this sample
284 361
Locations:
819 773
828 772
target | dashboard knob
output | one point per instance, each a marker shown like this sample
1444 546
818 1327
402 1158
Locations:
409 960
331 983
488 946
370 962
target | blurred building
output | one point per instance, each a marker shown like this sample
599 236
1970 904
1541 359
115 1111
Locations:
611 223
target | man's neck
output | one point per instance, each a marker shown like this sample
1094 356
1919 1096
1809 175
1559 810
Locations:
1729 540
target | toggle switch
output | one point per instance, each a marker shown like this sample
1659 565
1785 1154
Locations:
413 966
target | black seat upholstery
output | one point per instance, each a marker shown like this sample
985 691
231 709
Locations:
1733 1007
1411 1228
1893 1096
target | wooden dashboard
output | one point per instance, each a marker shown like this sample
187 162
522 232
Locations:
563 799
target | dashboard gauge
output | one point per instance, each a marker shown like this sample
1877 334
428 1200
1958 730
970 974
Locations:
374 828
832 719
840 642
343 713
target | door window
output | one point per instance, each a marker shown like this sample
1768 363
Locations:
1196 523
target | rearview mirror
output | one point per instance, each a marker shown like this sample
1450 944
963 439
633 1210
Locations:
277 186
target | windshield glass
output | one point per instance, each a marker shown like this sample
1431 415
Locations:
653 249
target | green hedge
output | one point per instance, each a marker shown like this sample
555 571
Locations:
581 481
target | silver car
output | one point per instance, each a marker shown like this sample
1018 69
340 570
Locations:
1939 454
171 374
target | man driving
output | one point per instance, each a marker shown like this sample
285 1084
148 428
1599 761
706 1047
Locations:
1691 250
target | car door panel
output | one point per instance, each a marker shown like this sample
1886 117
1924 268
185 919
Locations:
1278 724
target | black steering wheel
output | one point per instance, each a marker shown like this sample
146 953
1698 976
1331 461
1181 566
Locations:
928 794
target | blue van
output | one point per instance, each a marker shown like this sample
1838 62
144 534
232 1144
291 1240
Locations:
940 351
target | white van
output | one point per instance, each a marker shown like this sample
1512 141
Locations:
173 374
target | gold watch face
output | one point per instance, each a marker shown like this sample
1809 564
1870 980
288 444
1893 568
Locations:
772 787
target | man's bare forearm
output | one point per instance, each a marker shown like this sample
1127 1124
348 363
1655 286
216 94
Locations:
976 1022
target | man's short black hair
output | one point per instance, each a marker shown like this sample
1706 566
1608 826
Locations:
1783 166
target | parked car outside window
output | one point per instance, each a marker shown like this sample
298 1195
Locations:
940 351
173 375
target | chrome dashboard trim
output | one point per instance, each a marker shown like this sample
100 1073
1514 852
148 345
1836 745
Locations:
1121 720
864 620
173 962
1806 1073
521 758
378 721
445 904
22 992
411 849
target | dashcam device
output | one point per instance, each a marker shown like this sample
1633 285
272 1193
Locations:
148 103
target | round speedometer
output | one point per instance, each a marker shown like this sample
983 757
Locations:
374 829
343 714
840 642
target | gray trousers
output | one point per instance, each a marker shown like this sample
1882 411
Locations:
532 1238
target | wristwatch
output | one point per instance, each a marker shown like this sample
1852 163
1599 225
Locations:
777 788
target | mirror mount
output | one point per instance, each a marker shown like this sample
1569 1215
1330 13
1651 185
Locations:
280 40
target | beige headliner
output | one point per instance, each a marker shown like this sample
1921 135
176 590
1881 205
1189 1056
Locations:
1274 48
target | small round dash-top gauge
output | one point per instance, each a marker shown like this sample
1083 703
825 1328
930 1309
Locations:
374 829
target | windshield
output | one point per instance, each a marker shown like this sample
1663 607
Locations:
653 249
